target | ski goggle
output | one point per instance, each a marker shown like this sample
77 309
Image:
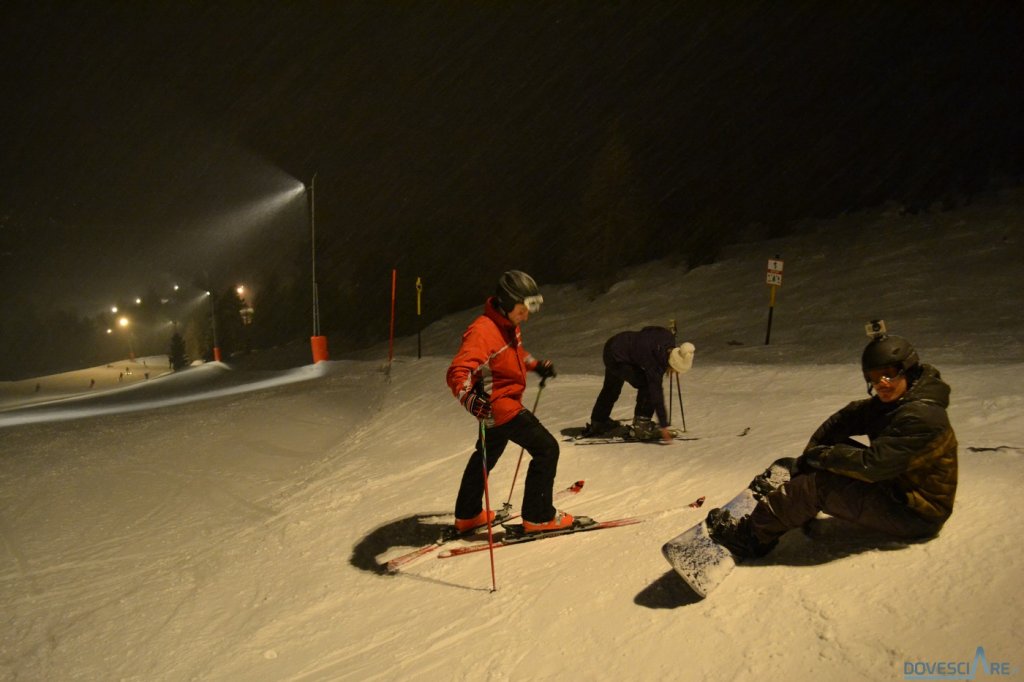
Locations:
886 375
532 303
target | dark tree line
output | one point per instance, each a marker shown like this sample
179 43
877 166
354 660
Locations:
613 219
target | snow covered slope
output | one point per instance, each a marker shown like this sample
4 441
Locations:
224 524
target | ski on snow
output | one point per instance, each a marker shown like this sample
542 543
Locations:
514 535
621 434
449 534
619 439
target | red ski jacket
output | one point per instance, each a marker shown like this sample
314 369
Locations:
492 358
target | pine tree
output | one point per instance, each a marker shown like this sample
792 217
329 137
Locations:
179 360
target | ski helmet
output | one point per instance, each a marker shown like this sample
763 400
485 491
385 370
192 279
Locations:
888 351
515 286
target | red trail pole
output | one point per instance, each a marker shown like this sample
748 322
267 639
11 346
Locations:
487 508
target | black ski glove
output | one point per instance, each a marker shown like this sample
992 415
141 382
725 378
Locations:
477 405
812 460
546 369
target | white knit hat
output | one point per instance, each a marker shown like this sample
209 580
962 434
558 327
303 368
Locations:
681 359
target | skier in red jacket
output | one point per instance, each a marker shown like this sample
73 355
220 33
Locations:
488 376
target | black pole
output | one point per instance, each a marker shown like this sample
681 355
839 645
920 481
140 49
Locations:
682 412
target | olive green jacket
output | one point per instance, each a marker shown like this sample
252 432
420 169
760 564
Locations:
912 445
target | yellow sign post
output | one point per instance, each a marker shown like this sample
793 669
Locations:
774 280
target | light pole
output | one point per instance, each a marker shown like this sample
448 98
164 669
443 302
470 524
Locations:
213 323
318 343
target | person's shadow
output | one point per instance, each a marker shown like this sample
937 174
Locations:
823 540
411 531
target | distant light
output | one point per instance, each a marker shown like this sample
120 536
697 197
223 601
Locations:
110 331
176 287
240 290
138 301
113 309
207 293
123 321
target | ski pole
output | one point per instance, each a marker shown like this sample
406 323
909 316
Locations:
679 390
536 402
487 508
670 398
675 339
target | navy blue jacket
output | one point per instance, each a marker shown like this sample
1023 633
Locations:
647 349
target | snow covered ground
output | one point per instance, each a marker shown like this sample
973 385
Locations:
230 524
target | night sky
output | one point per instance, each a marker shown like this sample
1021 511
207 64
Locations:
150 143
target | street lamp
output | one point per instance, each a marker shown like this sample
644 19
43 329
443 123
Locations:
124 323
318 343
246 310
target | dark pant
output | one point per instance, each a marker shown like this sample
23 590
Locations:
524 430
615 375
878 506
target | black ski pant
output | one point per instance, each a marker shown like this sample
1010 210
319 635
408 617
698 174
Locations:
878 506
615 375
526 431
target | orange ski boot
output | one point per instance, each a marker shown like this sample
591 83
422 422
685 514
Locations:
481 519
561 521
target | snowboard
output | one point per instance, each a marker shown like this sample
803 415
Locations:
700 561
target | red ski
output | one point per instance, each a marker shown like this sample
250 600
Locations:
449 534
513 535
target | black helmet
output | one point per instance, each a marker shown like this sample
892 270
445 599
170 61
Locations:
888 351
515 286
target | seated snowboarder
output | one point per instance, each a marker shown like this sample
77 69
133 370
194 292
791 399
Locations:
902 484
640 359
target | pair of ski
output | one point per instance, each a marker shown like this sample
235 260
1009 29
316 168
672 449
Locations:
510 535
621 434
449 533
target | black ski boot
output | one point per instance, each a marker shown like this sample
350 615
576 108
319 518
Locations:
601 429
645 429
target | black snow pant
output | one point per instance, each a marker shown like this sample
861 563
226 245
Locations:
615 375
526 431
878 506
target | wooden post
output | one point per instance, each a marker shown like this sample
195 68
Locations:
391 342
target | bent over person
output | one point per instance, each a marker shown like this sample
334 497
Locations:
488 376
901 484
640 359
